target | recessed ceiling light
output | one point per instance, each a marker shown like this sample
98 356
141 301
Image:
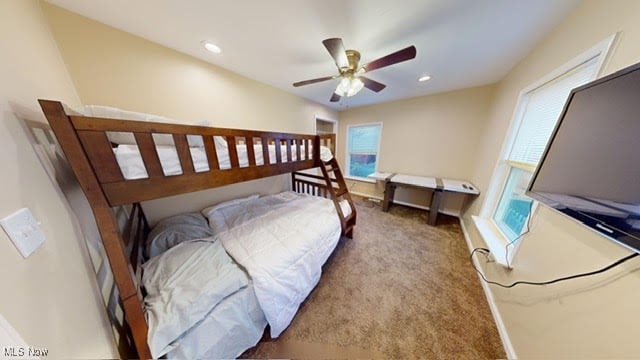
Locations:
424 78
211 47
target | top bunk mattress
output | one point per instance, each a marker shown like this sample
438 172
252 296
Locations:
132 166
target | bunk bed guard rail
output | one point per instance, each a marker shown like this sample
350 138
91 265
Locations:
300 152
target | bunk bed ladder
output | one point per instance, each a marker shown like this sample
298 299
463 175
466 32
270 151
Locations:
339 194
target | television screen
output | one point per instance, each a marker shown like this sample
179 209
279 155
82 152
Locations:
590 170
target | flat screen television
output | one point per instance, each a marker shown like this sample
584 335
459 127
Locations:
590 169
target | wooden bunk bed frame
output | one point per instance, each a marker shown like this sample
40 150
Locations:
90 155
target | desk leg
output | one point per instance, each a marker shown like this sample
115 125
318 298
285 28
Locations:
435 206
389 191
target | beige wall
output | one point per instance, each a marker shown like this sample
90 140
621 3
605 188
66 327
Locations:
435 135
587 318
111 67
50 298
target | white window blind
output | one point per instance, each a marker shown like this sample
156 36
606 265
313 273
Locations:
543 107
364 139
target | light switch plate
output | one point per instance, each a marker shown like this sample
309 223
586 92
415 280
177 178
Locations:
24 231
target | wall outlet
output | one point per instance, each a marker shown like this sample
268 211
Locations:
24 231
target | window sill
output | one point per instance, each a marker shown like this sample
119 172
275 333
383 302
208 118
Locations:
357 178
495 241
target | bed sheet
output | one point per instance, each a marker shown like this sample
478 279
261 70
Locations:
132 166
233 326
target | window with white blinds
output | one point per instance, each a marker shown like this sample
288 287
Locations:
505 214
363 142
541 111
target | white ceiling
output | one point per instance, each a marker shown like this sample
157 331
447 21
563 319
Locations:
460 43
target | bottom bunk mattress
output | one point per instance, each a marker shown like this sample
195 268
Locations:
201 304
282 241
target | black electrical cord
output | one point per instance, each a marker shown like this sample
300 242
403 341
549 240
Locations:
606 268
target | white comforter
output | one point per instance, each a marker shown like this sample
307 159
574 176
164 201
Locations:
282 241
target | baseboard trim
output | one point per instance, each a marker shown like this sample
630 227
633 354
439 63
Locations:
502 329
422 207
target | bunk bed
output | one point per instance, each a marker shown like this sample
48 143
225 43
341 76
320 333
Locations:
168 159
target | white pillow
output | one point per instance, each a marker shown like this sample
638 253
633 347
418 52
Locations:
159 139
209 210
183 285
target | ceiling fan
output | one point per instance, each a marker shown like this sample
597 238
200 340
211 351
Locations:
347 61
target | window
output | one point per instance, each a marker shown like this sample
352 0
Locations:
541 109
363 146
513 209
506 210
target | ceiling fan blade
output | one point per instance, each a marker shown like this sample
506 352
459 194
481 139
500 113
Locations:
313 81
336 49
393 58
335 97
372 84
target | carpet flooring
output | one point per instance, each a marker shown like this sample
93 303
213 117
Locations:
399 289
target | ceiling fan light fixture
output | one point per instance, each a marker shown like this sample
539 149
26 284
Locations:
211 47
349 86
349 72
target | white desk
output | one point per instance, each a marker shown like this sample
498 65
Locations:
417 181
382 176
438 185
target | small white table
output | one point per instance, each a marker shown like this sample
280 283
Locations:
438 185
